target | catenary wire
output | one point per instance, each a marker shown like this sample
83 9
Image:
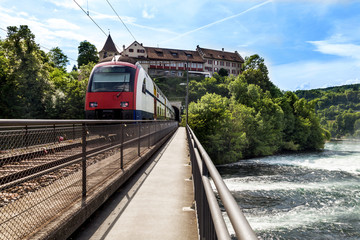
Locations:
121 19
90 17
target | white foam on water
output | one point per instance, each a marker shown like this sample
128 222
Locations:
261 183
337 156
301 216
335 163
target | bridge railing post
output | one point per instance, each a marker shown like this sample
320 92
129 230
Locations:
122 145
149 133
83 144
139 138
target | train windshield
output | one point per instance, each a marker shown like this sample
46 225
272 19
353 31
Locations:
112 79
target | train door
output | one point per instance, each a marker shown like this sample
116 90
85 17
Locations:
155 103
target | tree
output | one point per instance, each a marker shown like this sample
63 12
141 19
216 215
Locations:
210 118
87 53
74 68
26 84
256 72
223 72
58 58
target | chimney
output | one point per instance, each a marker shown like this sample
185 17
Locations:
141 44
223 49
123 47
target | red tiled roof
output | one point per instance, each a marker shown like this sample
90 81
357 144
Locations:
173 54
220 55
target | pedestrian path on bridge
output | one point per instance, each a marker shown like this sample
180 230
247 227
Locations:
157 203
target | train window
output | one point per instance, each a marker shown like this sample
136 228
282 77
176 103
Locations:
112 79
144 86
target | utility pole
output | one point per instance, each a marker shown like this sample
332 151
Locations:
187 89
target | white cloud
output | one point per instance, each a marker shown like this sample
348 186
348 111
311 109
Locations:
68 3
148 14
338 49
58 23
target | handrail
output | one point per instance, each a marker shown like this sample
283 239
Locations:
203 166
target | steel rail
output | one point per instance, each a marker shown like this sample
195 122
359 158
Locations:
37 171
239 223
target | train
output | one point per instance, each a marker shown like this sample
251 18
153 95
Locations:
122 89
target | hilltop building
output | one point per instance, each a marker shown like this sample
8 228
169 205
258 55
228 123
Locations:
109 49
173 62
215 60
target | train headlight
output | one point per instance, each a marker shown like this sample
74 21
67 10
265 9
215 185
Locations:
124 104
93 104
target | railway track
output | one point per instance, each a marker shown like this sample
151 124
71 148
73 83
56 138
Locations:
30 168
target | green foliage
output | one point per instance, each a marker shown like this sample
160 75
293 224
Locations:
69 91
211 119
337 107
34 84
252 117
25 83
58 58
223 72
87 53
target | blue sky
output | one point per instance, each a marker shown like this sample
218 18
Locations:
306 44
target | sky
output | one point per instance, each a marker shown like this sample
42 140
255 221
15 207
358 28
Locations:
306 44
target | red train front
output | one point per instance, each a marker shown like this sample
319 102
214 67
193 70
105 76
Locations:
110 92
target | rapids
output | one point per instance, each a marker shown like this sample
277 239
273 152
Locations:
300 196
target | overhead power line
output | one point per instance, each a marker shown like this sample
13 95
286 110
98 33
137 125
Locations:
87 13
121 19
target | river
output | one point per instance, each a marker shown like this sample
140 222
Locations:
300 196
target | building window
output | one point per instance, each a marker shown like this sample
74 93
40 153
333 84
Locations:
216 62
233 64
209 61
215 69
141 51
221 63
131 50
227 64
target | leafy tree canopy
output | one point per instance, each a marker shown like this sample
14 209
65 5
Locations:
87 53
248 116
59 59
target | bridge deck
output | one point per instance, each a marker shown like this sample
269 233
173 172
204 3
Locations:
155 204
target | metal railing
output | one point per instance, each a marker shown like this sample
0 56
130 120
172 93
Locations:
47 166
210 219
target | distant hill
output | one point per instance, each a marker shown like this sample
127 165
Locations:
338 108
319 92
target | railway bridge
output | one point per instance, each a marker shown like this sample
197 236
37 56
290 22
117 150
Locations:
111 179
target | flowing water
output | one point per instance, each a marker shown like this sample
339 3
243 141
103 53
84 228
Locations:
301 196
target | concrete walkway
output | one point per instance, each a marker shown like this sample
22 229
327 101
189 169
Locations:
155 204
